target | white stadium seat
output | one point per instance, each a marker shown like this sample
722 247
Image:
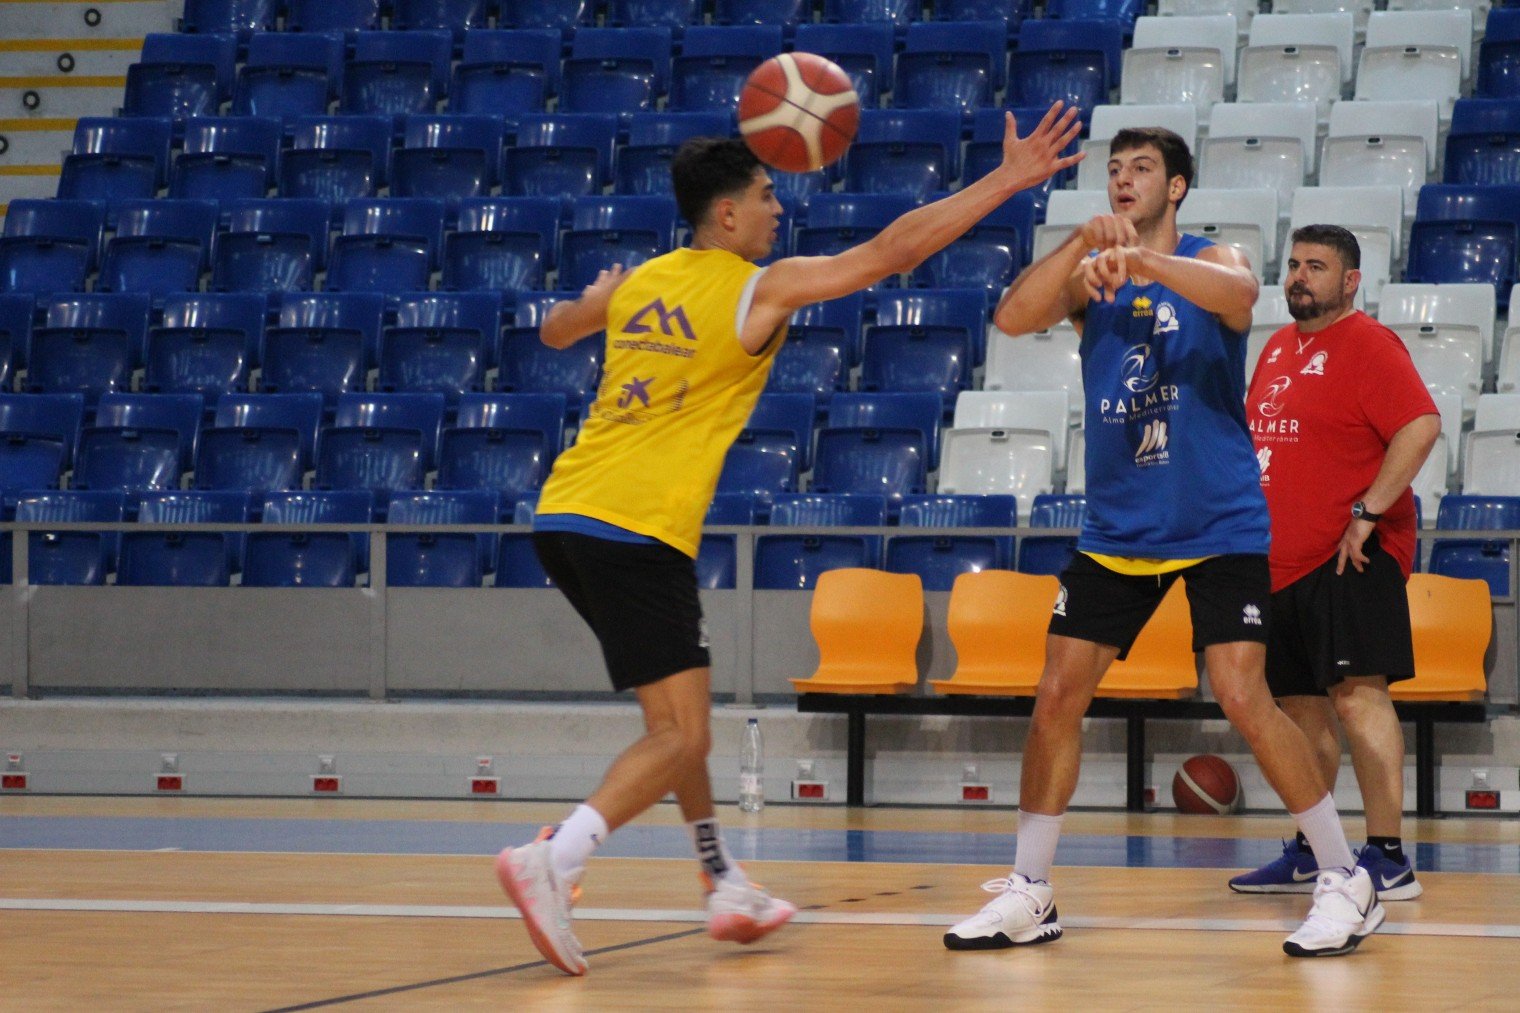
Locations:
1508 380
1172 74
1045 360
1207 31
1248 163
1076 462
1396 72
1243 218
1450 408
1047 411
1374 214
1331 29
1493 463
1432 482
1269 119
1449 358
1497 411
1360 10
1398 118
1479 8
1291 73
1405 303
1450 27
1067 208
1015 462
1244 10
1108 120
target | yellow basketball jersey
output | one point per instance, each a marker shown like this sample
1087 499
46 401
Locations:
676 389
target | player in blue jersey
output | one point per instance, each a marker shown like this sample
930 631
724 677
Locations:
1173 492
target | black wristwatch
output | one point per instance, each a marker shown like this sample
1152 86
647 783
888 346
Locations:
1360 512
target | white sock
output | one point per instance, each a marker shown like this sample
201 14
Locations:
1321 824
1035 848
712 852
574 840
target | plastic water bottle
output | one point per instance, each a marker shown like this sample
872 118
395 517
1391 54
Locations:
752 769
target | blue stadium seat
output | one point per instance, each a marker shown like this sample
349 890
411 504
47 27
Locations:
240 312
939 559
653 215
762 463
262 262
331 15
360 312
1011 11
527 364
216 50
185 558
899 13
128 460
714 62
189 221
560 155
790 413
451 361
787 13
377 460
519 217
989 255
530 308
565 15
502 244
175 90
281 92
1074 61
478 313
1499 57
643 164
845 510
449 157
179 412
795 561
1480 559
325 360
242 138
838 221
621 70
674 15
106 178
517 564
336 158
121 312
322 52
733 508
91 344
388 243
254 458
150 264
962 308
446 559
1466 233
241 16
27 462
299 412
305 217
418 218
70 557
435 47
864 52
1050 553
584 253
935 358
951 66
717 563
1123 11
128 137
542 413
48 416
1484 144
884 462
312 559
921 411
81 221
420 412
835 322
807 367
506 72
456 16
904 151
42 266
509 462
941 510
16 333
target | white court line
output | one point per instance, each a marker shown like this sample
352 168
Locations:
681 915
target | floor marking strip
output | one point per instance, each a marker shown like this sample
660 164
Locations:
898 919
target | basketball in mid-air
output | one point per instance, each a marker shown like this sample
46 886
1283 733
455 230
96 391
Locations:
798 112
1206 784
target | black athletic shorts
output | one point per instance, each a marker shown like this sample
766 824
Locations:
1229 597
640 600
1326 627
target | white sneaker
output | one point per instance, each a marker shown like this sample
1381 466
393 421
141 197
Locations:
1345 911
1023 913
743 914
528 877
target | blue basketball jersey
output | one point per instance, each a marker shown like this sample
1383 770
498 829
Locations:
1171 470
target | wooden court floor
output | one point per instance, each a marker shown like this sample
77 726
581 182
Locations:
95 928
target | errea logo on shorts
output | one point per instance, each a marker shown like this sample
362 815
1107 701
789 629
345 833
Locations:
1251 615
1060 606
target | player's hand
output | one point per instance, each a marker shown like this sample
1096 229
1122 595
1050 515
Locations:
1034 159
607 281
1104 231
1351 546
1104 274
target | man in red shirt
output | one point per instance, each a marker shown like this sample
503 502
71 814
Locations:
1342 423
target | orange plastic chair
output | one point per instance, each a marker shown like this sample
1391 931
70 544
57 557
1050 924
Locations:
867 624
1161 664
1452 621
998 621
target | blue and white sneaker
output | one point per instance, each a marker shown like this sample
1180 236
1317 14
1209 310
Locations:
1394 881
1294 872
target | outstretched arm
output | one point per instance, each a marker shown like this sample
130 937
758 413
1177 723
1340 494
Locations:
1053 287
910 240
570 320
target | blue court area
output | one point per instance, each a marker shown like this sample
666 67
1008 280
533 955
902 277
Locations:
449 837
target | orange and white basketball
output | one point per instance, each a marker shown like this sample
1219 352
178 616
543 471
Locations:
798 112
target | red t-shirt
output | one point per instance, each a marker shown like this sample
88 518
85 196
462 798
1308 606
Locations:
1322 409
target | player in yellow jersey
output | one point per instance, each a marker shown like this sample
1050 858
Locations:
690 339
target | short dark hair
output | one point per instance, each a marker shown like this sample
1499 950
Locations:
1175 155
706 168
1338 239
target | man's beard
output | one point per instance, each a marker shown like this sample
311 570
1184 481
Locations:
1310 310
